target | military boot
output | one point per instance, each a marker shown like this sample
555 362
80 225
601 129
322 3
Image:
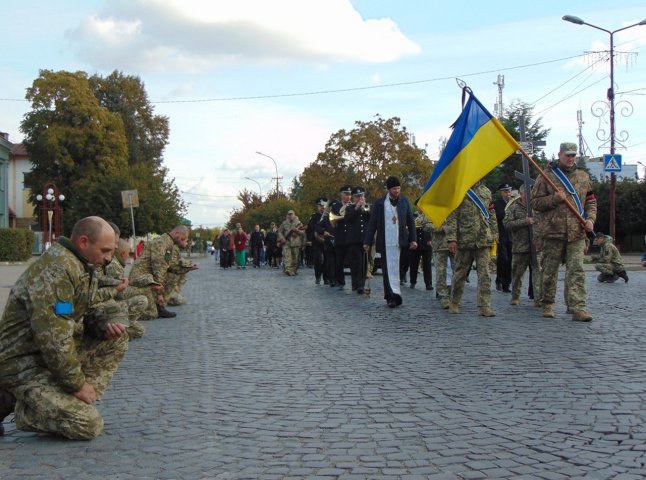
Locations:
515 301
486 312
623 275
163 313
581 316
548 310
454 307
7 404
445 303
176 299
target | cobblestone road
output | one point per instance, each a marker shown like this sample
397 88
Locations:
263 376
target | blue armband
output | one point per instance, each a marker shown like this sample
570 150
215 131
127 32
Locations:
63 308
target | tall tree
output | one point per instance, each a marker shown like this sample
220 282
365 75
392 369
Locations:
366 156
147 135
73 142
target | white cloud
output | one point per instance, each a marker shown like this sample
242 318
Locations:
196 35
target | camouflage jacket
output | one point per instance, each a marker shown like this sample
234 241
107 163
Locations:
108 278
43 320
557 221
290 237
438 238
515 221
160 256
609 254
468 227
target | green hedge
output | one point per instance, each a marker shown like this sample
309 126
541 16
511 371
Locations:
16 244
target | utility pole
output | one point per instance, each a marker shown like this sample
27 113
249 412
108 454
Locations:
580 122
498 107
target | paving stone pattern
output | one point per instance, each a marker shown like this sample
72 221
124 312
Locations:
264 376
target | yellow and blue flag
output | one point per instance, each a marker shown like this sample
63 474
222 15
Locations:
478 144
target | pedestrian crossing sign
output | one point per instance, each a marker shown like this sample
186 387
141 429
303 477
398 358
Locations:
612 163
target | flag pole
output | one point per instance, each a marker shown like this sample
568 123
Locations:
551 183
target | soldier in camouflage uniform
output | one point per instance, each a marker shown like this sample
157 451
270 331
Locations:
291 235
48 363
470 232
517 222
111 285
441 257
161 256
608 262
564 235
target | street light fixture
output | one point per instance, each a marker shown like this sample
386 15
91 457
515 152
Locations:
257 183
50 212
611 102
275 165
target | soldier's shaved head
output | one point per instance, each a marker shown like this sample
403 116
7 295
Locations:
91 227
183 229
94 238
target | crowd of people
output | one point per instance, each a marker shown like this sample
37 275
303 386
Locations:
70 316
536 231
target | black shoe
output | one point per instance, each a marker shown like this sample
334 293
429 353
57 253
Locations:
7 405
318 281
360 291
332 284
391 303
623 275
412 285
499 287
429 287
505 289
163 313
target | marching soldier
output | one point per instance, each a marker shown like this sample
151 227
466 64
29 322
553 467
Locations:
563 234
517 222
504 250
442 256
357 216
291 235
470 231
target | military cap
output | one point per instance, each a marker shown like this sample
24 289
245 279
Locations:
346 189
600 234
568 148
504 186
291 212
321 201
358 191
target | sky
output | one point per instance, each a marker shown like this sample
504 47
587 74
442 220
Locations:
280 77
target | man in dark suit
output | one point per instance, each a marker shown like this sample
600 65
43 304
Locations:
503 259
391 218
338 208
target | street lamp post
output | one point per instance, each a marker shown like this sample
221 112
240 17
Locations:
275 165
611 103
257 183
50 213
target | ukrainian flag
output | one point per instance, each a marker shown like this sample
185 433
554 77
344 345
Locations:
478 144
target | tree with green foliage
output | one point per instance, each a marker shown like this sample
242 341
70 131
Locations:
160 203
73 142
366 156
95 137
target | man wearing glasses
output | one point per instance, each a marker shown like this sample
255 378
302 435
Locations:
564 235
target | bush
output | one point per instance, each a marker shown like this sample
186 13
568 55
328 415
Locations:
16 244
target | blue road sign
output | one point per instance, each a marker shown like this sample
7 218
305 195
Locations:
612 163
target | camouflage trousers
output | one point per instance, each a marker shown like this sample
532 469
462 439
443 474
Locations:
556 252
463 261
520 262
42 406
290 259
441 259
174 283
137 306
610 269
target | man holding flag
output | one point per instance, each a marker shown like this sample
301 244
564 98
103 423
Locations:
564 231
